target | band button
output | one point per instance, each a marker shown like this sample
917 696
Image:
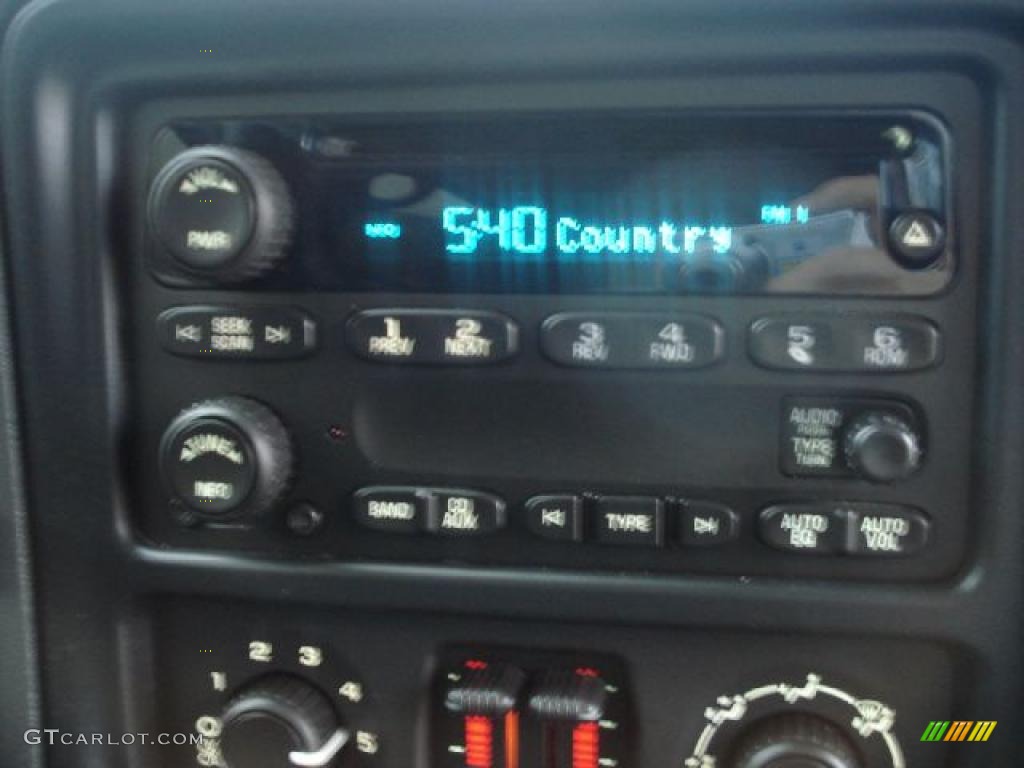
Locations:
392 510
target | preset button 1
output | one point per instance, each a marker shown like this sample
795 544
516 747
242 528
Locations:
432 336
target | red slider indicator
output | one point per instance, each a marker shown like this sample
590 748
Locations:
479 742
586 745
512 740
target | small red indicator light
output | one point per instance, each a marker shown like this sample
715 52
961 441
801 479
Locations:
587 672
586 746
480 742
476 665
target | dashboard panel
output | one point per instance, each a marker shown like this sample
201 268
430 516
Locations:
432 386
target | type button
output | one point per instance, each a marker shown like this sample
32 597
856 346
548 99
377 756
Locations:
630 520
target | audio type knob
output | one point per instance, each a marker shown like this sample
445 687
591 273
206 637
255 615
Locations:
221 213
795 740
227 457
882 448
280 720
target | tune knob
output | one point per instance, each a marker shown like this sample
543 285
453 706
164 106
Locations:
795 740
227 457
280 720
882 448
221 213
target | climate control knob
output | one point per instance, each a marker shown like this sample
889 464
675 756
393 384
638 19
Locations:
280 720
221 213
795 741
227 457
882 448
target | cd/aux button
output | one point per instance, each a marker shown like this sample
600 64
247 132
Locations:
465 513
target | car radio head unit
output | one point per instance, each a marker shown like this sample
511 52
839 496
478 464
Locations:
692 204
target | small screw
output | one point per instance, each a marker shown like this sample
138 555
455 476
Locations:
183 515
304 519
337 433
901 138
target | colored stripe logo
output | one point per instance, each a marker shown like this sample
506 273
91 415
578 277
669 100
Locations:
959 730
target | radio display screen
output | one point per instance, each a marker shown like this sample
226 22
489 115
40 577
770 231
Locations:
612 204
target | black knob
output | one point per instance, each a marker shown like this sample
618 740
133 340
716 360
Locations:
280 720
795 740
882 448
227 457
221 213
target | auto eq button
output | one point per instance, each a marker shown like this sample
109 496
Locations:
815 528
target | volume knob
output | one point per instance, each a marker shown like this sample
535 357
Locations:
882 448
221 213
227 457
